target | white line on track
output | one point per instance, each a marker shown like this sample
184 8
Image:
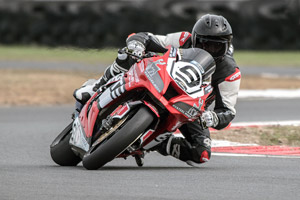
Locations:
253 155
267 123
270 93
226 143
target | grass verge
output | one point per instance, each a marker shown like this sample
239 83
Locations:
37 87
92 56
265 135
33 87
33 53
268 58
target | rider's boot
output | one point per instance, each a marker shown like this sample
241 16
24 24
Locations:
84 93
181 149
88 89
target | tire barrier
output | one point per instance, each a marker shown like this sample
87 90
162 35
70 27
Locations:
89 29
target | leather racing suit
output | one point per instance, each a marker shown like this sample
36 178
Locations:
196 146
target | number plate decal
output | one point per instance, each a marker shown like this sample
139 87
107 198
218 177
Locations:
78 138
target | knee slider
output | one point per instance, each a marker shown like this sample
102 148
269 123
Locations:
201 154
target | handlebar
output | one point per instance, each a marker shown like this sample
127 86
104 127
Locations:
147 55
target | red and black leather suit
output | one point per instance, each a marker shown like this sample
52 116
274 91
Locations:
196 146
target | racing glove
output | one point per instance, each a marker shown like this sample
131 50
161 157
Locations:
209 119
147 41
136 48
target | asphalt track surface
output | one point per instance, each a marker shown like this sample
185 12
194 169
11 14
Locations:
27 171
262 110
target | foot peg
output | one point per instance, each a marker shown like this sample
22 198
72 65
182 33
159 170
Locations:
139 159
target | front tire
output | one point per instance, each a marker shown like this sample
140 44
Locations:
60 149
103 153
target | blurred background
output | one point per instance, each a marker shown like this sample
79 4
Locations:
48 48
257 24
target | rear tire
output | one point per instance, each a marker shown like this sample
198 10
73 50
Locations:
60 149
106 151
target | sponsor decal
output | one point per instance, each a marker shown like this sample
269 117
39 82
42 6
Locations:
207 142
152 69
116 110
185 76
152 74
163 137
78 138
183 38
158 140
146 135
178 108
235 76
208 89
192 112
189 111
120 111
200 102
176 151
173 52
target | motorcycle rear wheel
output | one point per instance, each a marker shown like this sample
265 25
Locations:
60 149
106 151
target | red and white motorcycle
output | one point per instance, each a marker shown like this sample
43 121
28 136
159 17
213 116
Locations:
137 110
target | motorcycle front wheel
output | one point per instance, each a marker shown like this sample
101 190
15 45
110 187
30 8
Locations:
107 150
60 149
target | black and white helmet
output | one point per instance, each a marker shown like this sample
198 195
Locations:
212 33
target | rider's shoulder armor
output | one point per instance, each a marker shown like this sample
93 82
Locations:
185 40
225 69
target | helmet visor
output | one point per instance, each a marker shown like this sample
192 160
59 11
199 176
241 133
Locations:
216 48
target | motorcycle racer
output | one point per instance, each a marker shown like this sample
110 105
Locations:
212 33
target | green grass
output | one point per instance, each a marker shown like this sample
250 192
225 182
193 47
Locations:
268 58
263 135
281 135
33 53
243 58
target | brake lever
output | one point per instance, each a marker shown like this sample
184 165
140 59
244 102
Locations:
147 55
122 51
